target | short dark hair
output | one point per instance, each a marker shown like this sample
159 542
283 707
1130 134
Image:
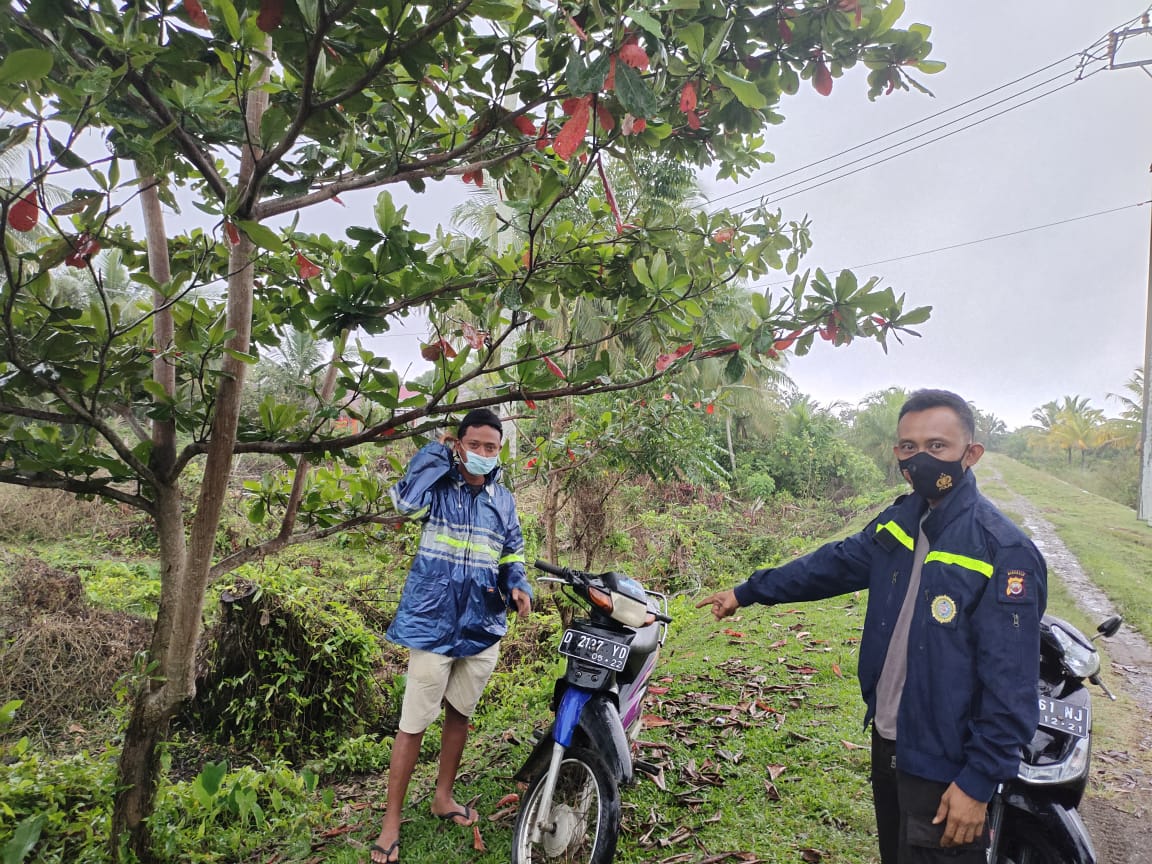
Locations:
922 400
479 417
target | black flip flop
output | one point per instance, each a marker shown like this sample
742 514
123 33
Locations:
467 813
387 853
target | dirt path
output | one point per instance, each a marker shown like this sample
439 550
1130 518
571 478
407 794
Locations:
1119 802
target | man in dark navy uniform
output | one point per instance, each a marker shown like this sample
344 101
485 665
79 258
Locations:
950 651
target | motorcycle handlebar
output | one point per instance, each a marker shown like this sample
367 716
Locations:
562 572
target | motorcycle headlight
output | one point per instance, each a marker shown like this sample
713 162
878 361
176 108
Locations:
1079 659
1057 773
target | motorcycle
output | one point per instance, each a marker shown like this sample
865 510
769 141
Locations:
1033 819
571 809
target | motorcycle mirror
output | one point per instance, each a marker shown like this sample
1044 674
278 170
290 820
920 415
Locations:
1109 626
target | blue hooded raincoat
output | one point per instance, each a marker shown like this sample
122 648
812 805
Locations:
471 556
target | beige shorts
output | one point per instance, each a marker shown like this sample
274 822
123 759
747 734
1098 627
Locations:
435 678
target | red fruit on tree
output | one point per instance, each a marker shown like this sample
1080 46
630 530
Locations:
572 135
84 247
307 269
604 117
24 213
822 79
688 97
271 14
232 233
634 56
197 15
610 78
693 119
785 31
554 369
524 125
724 235
475 338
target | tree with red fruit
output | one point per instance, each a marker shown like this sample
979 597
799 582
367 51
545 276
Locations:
260 109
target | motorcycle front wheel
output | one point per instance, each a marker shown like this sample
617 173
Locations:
1025 843
585 819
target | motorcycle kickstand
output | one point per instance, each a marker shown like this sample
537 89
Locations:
543 821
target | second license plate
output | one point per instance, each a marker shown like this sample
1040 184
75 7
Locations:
594 649
1065 716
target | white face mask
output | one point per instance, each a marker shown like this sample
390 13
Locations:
478 465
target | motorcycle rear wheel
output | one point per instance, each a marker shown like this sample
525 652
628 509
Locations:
1025 843
585 810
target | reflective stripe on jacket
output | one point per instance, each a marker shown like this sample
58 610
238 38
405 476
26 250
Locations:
471 555
969 700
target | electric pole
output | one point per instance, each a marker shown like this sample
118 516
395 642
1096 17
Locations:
1116 40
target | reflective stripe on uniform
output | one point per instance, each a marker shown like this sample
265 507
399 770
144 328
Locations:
982 567
511 559
465 544
897 532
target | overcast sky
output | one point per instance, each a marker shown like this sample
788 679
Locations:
1017 321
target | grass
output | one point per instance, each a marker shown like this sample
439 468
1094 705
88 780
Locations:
1112 545
754 721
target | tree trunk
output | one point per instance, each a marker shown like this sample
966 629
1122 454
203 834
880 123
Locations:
185 563
551 515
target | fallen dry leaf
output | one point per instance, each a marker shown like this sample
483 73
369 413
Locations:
477 840
775 771
848 745
811 856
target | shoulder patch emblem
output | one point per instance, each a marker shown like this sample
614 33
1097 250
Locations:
943 608
1015 586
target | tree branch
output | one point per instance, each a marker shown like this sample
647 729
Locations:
270 547
99 488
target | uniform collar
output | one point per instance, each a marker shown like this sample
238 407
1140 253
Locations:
950 506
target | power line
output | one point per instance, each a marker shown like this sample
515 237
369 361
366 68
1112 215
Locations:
987 239
897 131
846 174
776 196
1085 59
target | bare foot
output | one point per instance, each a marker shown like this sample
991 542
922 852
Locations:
462 815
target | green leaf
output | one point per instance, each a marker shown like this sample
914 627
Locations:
64 156
211 776
633 93
889 16
917 316
692 35
647 22
26 835
231 18
582 79
746 92
26 64
717 43
931 67
263 237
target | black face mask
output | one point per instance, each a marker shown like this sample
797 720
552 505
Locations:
933 478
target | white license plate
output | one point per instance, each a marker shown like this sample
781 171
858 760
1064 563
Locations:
594 649
1065 716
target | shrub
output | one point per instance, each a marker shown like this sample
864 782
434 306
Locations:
289 668
223 816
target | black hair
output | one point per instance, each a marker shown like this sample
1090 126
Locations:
479 417
922 400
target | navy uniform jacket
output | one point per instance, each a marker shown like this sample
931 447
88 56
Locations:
471 556
969 701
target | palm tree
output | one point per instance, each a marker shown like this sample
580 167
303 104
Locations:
873 428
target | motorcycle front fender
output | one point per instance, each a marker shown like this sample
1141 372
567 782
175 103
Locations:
1063 826
598 725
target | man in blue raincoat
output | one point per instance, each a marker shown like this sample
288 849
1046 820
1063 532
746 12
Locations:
468 572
